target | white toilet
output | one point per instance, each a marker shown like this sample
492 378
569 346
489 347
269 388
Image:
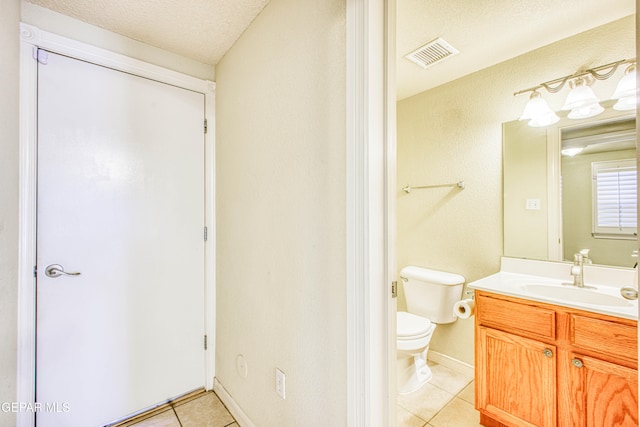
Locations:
430 298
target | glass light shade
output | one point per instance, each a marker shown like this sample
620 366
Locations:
586 112
627 91
538 113
571 151
581 96
627 86
544 120
628 103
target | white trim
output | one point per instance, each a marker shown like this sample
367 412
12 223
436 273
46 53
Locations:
357 324
241 418
368 288
95 55
554 199
210 247
456 365
30 38
390 195
26 356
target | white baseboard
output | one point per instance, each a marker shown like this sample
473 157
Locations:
241 418
451 363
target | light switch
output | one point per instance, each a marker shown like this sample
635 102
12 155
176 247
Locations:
533 205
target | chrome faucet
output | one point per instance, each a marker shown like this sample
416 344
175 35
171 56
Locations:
577 270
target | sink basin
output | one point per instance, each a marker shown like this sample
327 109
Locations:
575 295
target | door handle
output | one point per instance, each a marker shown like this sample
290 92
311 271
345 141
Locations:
56 270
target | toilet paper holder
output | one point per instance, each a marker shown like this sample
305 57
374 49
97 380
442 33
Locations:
471 292
464 308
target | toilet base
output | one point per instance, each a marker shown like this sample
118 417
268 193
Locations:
413 373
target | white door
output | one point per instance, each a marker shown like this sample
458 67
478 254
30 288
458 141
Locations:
121 202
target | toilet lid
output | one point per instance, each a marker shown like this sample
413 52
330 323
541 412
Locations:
410 325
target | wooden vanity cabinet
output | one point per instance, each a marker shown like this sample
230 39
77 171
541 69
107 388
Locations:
544 365
522 391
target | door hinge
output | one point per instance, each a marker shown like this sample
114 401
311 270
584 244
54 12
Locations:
206 126
35 271
206 233
394 289
205 342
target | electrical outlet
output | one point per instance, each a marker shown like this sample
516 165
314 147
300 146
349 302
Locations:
280 383
241 366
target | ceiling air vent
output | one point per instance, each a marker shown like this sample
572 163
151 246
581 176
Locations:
431 53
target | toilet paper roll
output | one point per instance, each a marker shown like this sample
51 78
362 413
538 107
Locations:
464 308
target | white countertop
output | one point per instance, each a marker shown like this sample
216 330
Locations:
517 276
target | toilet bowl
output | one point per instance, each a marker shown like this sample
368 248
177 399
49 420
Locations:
430 296
413 337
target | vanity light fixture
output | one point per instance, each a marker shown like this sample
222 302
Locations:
581 100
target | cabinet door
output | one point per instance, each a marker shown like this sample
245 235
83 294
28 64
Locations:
605 394
516 379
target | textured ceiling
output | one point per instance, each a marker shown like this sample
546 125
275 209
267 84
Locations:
487 32
202 30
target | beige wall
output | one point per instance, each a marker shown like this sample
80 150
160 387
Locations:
281 190
454 132
9 69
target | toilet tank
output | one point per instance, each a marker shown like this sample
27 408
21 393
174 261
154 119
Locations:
431 293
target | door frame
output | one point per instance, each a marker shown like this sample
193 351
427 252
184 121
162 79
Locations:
32 38
371 217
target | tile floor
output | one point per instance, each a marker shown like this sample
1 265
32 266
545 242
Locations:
204 410
445 401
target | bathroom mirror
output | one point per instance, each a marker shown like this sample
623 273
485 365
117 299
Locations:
552 201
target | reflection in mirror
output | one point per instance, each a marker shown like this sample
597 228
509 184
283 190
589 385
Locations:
553 206
599 188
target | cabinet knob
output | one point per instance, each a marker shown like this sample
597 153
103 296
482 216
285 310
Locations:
577 362
547 352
